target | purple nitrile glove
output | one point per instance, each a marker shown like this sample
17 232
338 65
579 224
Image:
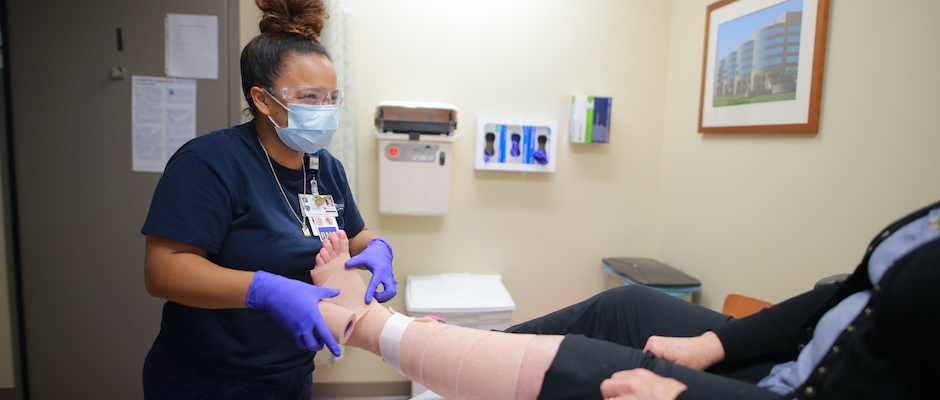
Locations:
540 156
293 305
377 258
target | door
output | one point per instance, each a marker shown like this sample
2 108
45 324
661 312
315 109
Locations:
88 319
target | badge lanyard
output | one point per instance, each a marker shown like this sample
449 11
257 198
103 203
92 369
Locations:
303 225
319 209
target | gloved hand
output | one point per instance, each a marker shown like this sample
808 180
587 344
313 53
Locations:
293 304
377 258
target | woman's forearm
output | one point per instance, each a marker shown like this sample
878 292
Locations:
180 273
359 242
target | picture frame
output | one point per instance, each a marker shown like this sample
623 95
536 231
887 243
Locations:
762 66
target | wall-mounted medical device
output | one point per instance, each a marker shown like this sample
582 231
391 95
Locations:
416 142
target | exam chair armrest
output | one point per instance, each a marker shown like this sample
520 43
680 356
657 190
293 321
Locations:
836 279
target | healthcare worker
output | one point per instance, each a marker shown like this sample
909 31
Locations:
230 240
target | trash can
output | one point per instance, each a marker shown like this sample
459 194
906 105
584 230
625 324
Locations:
652 273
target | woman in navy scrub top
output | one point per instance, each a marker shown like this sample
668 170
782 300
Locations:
228 244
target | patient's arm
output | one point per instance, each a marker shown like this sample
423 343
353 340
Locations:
455 362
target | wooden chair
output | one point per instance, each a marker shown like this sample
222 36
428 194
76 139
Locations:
739 306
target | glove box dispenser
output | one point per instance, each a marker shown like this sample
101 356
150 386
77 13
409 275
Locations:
415 142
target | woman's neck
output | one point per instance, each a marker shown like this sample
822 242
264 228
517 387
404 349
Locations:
277 150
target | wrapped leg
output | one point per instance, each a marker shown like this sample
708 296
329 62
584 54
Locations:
456 362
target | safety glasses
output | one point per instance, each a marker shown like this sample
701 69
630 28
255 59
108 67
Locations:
310 95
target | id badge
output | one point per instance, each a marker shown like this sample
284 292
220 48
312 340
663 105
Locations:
308 208
324 227
320 210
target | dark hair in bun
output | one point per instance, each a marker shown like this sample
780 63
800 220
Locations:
287 27
300 17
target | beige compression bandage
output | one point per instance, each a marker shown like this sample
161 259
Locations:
455 362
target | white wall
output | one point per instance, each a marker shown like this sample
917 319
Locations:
762 215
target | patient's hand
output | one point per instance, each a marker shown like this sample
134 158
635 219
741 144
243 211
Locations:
640 384
698 352
335 251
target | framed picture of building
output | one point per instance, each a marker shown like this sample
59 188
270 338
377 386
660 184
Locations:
763 66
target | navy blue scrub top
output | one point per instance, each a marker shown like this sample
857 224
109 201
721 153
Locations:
217 193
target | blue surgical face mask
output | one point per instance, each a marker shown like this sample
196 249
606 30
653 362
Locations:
309 128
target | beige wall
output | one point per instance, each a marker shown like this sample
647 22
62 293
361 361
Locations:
763 215
767 215
545 233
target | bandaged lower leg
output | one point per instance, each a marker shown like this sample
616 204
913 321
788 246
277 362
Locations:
455 362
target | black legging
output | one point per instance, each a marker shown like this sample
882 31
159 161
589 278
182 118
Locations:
607 333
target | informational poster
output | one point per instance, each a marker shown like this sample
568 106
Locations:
164 118
192 46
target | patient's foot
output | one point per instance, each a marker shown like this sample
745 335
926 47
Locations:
335 252
331 272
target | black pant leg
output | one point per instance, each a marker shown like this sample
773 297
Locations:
582 363
606 334
626 315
